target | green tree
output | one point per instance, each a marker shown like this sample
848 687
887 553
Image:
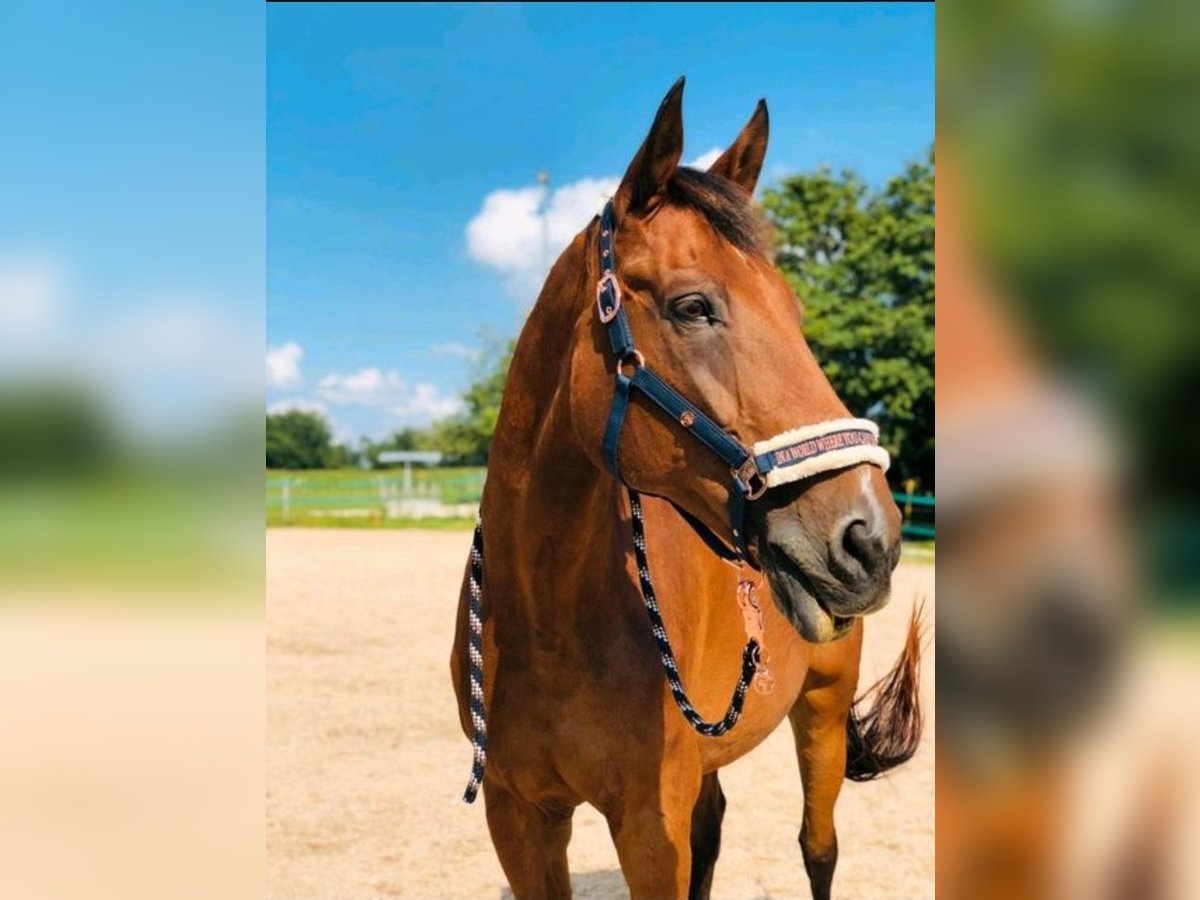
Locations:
343 456
861 260
298 440
466 436
54 428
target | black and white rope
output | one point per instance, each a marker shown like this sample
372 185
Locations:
670 669
475 650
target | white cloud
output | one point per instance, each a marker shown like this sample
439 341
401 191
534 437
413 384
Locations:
412 404
424 404
366 387
32 293
507 233
454 350
173 332
704 160
283 365
174 359
171 361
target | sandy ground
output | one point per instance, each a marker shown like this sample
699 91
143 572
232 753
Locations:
366 762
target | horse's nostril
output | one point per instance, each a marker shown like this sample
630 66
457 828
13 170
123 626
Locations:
854 539
859 554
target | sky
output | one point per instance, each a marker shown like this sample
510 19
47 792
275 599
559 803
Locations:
404 216
132 206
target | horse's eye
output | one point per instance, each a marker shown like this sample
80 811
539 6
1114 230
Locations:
692 308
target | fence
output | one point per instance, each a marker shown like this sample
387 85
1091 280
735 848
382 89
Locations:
372 498
378 498
918 513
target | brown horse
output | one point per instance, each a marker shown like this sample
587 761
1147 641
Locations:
577 705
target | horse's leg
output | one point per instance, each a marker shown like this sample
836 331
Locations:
819 726
706 836
652 829
531 843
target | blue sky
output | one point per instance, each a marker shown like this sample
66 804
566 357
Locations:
132 210
403 145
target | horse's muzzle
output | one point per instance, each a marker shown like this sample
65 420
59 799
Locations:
828 562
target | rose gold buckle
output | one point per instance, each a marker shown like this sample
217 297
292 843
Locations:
748 477
608 278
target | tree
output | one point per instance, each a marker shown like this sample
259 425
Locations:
343 456
298 440
53 428
466 436
861 261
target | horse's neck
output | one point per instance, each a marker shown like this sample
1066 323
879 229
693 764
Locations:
556 506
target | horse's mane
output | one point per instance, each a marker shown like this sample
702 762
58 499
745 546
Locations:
726 206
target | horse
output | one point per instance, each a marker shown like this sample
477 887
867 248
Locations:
1037 607
564 661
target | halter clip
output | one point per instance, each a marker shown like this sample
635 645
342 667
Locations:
749 479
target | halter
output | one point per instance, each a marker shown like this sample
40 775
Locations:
790 456
786 457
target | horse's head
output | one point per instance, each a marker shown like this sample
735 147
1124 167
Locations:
717 320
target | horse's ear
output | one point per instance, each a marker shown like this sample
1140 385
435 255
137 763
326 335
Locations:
645 182
743 161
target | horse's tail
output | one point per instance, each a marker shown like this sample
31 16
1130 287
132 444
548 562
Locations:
887 734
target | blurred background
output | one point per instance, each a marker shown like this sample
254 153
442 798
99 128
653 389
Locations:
1069 520
131 293
131 565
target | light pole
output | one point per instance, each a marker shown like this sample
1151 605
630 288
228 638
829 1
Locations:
543 178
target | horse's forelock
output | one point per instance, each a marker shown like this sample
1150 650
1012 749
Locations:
722 203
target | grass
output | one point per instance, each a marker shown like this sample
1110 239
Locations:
456 483
128 530
357 498
918 551
373 523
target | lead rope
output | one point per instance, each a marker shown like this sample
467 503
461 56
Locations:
475 651
753 662
750 655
